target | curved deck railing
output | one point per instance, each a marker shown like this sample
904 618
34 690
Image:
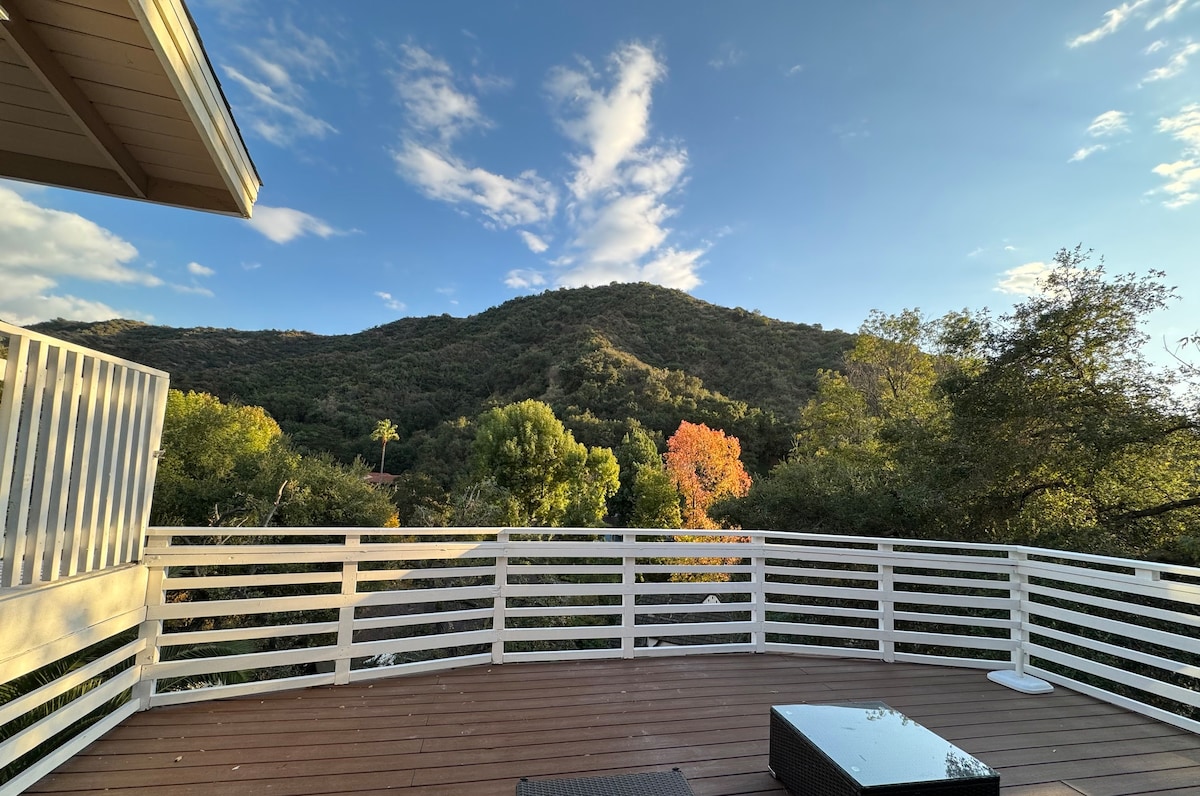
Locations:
256 610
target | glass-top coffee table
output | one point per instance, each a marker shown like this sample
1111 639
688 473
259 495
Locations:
859 748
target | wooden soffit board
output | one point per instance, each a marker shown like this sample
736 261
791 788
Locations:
118 97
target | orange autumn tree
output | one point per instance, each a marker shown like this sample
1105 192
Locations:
705 465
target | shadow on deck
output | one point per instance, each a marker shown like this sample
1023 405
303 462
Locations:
478 730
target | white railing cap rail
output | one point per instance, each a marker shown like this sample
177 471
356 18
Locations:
11 330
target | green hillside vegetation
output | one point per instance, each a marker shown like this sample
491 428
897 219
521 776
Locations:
600 357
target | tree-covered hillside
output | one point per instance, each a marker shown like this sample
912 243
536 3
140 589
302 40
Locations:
598 356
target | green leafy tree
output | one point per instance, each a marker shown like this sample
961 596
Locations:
385 432
226 465
655 499
637 449
528 454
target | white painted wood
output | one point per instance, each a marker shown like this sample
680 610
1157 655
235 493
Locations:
401 669
61 484
696 608
1185 696
32 775
39 535
345 636
1120 701
241 633
98 475
563 633
271 579
32 736
568 610
43 615
472 614
814 572
1188 644
34 658
1146 611
18 566
1136 656
192 667
431 573
240 689
34 699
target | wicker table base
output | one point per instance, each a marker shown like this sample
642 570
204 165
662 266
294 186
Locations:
656 783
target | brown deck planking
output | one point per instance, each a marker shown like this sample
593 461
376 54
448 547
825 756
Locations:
481 728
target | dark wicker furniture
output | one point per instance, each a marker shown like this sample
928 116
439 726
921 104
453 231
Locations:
656 783
861 748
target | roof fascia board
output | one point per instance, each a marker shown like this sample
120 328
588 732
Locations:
173 37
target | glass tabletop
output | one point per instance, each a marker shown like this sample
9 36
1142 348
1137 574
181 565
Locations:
880 746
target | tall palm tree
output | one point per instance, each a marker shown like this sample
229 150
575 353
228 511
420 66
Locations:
385 431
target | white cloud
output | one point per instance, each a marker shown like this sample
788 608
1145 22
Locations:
283 224
437 113
1085 152
1109 123
1113 20
978 250
1183 175
276 116
44 246
521 279
1155 46
1010 248
1025 280
1183 181
1174 65
270 72
795 70
526 199
622 179
196 269
1168 14
390 302
728 56
435 106
535 244
196 290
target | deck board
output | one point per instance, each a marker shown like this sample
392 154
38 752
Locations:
480 729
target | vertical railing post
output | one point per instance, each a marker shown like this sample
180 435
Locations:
758 595
500 604
1019 591
628 594
345 637
887 606
150 632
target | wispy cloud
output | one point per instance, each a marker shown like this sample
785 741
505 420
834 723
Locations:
1109 123
195 290
1182 176
1083 153
1174 66
1168 14
535 243
792 71
727 56
978 250
1113 20
283 224
390 301
523 279
271 71
1154 47
42 247
434 105
196 269
622 177
439 111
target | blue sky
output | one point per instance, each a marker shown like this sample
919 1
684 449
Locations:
811 161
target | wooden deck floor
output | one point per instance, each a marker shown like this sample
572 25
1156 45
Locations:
477 730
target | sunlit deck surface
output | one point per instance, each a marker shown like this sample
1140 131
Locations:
478 730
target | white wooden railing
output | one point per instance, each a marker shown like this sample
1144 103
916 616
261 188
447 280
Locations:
371 603
79 431
256 610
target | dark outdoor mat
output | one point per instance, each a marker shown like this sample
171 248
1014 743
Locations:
655 783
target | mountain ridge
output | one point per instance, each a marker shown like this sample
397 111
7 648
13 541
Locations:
599 356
